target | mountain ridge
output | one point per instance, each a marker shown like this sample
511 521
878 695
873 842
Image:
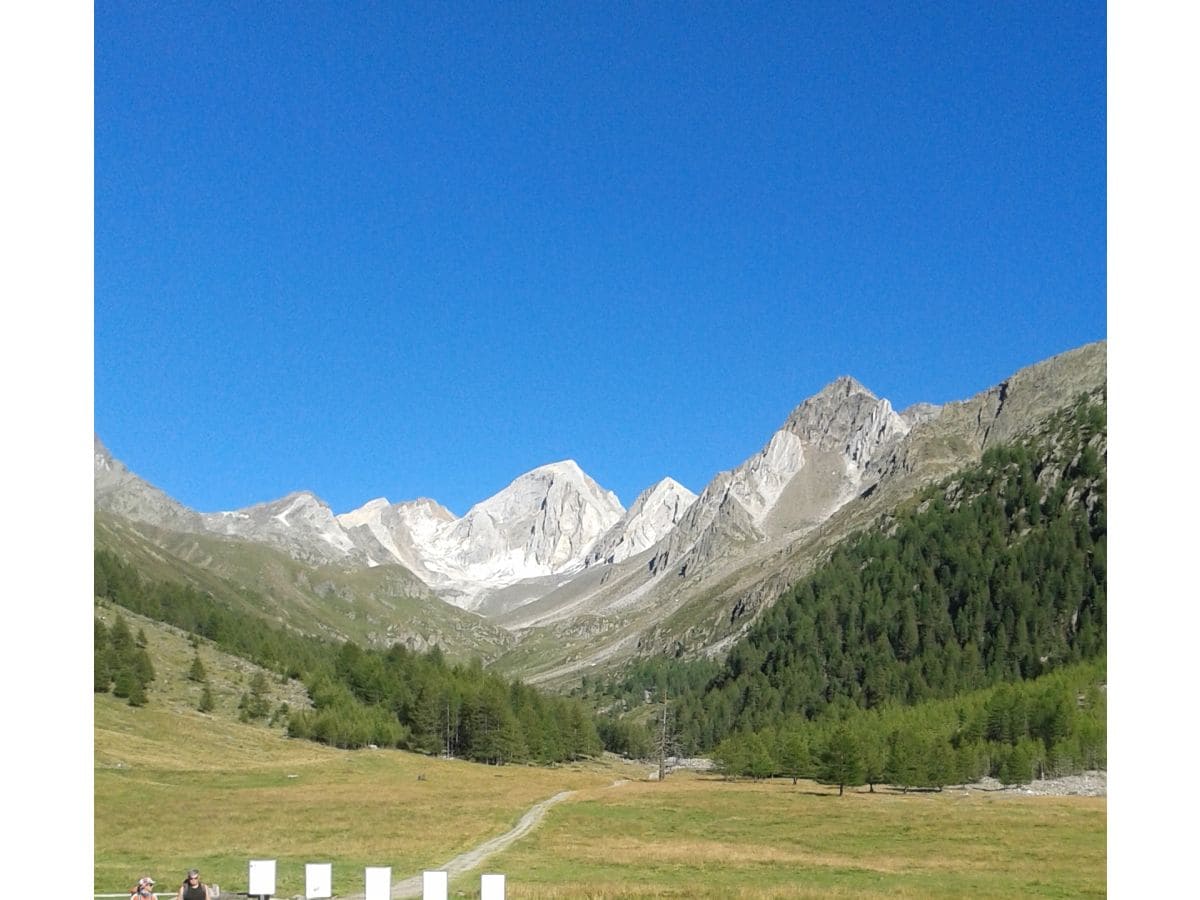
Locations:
554 550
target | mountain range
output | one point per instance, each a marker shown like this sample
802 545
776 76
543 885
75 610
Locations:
552 578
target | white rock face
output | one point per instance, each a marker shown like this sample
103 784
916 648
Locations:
777 490
397 530
423 518
541 524
847 418
656 511
758 482
300 523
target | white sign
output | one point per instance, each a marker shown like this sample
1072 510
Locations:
491 887
318 880
262 878
379 882
434 885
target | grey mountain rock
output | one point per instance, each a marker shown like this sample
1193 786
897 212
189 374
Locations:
655 512
819 460
554 558
119 491
301 524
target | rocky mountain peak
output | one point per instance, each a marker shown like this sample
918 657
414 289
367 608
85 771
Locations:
846 418
104 459
840 388
653 515
371 506
300 523
119 491
816 462
543 523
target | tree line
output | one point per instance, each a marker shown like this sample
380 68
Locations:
1046 727
394 698
418 701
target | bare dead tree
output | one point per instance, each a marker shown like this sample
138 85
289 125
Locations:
666 742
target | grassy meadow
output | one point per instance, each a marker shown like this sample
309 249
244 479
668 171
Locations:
222 793
175 788
700 836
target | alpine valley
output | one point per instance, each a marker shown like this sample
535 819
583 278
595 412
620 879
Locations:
552 579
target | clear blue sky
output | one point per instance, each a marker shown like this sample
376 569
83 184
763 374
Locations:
414 250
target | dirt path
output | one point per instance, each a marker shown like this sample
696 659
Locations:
414 886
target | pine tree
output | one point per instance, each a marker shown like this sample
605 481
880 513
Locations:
143 668
905 759
732 755
137 694
120 637
255 703
207 704
759 763
123 683
841 761
793 754
196 672
102 676
1017 767
874 752
102 672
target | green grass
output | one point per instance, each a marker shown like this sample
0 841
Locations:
699 836
220 793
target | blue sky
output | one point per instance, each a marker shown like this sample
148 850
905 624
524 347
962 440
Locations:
369 250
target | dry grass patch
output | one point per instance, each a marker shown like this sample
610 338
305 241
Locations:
699 836
223 793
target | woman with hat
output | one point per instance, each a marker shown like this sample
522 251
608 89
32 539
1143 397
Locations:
145 888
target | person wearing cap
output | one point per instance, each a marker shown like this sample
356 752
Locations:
193 888
145 887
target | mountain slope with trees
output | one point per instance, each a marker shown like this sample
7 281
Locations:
373 606
397 698
985 581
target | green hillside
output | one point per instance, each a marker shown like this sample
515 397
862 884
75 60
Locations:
993 577
394 698
371 606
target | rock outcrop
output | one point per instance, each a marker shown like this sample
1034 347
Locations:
653 515
119 491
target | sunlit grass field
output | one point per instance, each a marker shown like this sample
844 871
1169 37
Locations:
700 836
174 788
